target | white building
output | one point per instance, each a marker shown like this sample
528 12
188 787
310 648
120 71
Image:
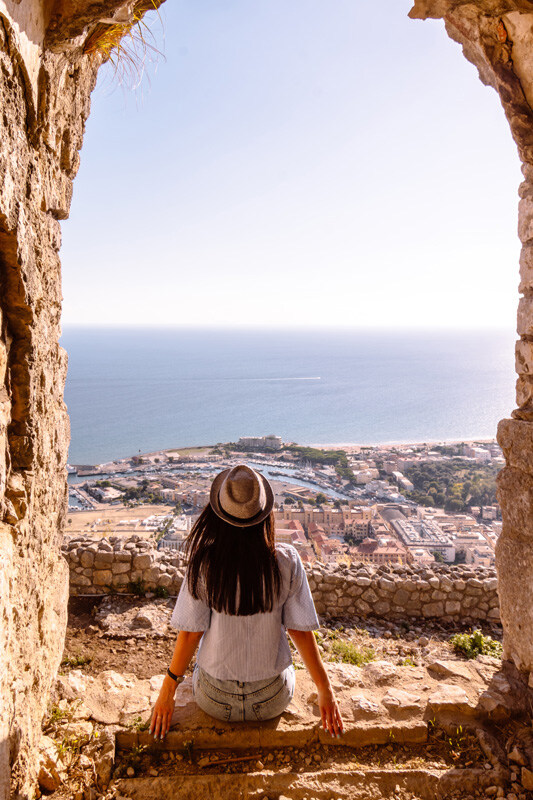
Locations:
270 442
426 534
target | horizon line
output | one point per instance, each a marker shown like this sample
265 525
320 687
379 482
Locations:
292 328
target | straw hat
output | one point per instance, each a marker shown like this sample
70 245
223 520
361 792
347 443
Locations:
241 496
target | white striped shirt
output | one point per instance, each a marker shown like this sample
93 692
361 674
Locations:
254 647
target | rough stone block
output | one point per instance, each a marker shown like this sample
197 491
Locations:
151 575
103 577
120 568
401 597
525 219
526 268
515 494
452 607
433 610
142 562
104 557
514 559
524 357
80 580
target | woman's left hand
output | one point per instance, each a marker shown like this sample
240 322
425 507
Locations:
162 713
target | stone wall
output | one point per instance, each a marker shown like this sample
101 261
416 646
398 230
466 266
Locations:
103 566
497 37
45 85
44 107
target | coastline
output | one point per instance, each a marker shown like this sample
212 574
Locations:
347 446
400 443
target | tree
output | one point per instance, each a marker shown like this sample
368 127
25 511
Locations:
453 504
320 499
289 501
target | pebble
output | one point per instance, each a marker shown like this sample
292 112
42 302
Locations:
152 772
259 765
130 772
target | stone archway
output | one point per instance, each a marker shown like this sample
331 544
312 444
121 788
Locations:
46 80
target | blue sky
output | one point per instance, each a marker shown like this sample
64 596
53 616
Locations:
295 163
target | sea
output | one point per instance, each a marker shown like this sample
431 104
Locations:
137 390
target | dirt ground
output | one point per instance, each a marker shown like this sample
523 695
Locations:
148 651
104 520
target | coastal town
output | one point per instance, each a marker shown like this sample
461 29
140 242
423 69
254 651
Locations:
383 504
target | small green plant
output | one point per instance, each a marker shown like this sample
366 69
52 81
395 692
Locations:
138 725
57 715
70 746
476 643
76 661
189 749
407 662
161 591
137 588
348 653
133 757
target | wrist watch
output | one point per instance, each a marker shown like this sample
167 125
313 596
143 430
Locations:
178 678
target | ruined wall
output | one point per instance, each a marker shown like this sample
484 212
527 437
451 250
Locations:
497 36
46 77
448 593
45 85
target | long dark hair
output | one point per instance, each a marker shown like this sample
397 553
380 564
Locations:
234 570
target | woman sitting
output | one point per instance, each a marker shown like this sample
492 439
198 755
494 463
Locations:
242 593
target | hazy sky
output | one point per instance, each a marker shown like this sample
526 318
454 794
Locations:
291 162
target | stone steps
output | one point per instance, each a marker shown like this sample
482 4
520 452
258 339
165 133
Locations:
380 703
273 734
324 784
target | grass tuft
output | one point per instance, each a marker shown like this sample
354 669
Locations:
127 45
76 661
476 643
348 653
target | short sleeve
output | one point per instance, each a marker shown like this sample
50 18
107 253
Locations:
190 614
299 610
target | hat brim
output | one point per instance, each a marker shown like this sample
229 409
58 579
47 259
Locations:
240 523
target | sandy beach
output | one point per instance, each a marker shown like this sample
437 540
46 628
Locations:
356 446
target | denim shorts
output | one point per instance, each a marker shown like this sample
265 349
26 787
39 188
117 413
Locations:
243 701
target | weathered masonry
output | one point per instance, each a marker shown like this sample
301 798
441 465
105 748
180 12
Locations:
49 57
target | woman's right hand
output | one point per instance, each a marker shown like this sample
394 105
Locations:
162 713
329 711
